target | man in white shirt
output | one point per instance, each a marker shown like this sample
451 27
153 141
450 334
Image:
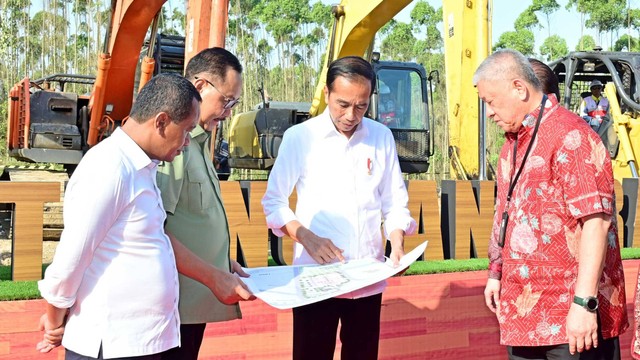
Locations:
347 177
113 285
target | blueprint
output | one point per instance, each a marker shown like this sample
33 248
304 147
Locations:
285 287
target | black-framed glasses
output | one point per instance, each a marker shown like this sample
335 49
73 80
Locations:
229 103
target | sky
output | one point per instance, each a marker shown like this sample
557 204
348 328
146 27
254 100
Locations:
564 23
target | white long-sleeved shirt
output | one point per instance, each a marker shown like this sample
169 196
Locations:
115 267
345 188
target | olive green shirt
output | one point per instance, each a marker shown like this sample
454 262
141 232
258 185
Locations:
196 217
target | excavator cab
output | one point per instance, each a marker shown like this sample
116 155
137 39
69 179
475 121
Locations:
620 72
400 102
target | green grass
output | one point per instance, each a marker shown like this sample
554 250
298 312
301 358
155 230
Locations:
24 290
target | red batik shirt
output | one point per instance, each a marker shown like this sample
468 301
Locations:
566 177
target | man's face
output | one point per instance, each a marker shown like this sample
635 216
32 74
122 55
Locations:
176 135
504 103
347 103
217 96
596 91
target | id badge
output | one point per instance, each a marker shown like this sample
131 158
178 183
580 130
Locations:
503 228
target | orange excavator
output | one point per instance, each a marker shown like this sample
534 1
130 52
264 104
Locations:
54 126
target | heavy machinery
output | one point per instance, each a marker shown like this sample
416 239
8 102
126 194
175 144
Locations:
620 72
59 127
254 137
55 126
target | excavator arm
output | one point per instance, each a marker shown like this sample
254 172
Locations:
355 25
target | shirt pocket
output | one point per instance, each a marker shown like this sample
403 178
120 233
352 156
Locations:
200 191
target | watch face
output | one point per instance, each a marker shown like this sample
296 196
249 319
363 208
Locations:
592 304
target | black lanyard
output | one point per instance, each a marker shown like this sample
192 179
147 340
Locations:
514 180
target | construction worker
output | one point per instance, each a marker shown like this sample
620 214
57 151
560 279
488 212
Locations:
594 108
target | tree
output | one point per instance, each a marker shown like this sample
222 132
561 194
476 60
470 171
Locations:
627 43
398 45
527 20
586 43
521 40
554 47
547 7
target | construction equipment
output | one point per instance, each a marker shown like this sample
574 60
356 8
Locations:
53 126
620 72
59 127
255 136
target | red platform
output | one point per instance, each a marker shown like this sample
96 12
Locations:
423 317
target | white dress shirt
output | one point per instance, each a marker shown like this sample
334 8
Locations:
345 188
114 267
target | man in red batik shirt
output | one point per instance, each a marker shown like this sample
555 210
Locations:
556 281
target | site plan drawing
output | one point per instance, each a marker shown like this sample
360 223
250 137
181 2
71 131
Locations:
285 287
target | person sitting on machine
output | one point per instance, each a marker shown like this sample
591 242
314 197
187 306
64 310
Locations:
594 107
387 107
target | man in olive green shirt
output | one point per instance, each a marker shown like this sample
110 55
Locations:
191 196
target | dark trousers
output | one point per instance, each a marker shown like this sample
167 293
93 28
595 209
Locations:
315 326
190 340
70 355
607 350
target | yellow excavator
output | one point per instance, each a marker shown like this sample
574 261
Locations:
255 136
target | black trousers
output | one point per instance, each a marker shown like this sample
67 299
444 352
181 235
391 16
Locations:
70 355
607 350
190 340
315 326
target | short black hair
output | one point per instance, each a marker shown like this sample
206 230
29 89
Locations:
214 61
350 67
169 93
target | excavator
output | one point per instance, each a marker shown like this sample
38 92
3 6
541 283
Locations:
48 126
54 126
620 72
254 137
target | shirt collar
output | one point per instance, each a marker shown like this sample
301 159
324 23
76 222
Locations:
199 134
134 152
328 129
529 122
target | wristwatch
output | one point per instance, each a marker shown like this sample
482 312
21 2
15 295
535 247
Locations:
590 303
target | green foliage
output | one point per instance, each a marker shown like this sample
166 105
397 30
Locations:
627 43
554 47
586 43
521 40
527 20
398 45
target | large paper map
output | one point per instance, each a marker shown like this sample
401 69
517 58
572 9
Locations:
285 287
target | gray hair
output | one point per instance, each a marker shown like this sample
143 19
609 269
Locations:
506 64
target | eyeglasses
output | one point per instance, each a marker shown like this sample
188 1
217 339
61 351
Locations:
229 103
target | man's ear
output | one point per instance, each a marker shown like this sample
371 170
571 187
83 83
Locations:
326 94
521 88
161 122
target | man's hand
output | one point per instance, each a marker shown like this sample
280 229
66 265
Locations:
52 337
492 295
236 268
322 250
229 289
582 329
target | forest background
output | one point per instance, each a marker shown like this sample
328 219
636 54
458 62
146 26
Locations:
282 44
